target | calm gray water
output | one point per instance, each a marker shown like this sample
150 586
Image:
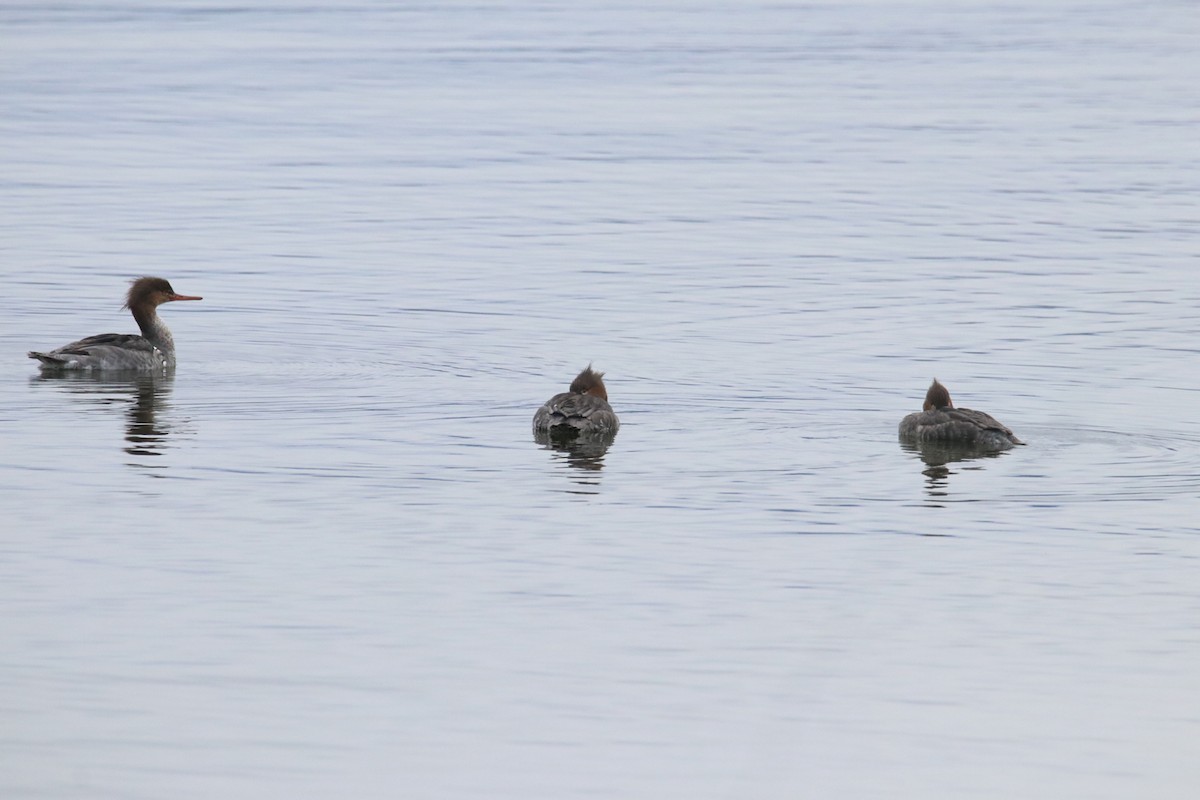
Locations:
326 558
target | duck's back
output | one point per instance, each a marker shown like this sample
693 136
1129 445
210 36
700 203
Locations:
106 351
963 426
573 414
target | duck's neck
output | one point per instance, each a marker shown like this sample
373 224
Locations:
155 330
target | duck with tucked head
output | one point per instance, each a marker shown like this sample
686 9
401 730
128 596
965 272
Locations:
152 351
583 410
941 423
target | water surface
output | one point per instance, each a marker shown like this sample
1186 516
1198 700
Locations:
326 557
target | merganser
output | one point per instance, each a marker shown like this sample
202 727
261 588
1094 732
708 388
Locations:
940 422
581 411
154 350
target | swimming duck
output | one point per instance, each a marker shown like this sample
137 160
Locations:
153 350
942 423
583 410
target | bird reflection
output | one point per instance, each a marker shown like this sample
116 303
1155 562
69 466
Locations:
143 395
938 456
584 454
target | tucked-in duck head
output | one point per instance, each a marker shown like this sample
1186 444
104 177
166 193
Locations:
937 397
589 382
147 293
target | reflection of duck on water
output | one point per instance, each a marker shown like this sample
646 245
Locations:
145 435
938 454
584 456
940 423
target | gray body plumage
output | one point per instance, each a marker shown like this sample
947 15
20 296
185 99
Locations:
570 414
112 351
962 426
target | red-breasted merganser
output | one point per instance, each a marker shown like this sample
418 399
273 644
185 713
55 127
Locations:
154 350
942 423
583 410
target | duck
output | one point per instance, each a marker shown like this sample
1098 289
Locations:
581 411
941 423
152 351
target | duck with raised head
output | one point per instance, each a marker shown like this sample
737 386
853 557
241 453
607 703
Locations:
153 350
582 410
941 423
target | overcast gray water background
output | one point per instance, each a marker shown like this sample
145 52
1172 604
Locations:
326 558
